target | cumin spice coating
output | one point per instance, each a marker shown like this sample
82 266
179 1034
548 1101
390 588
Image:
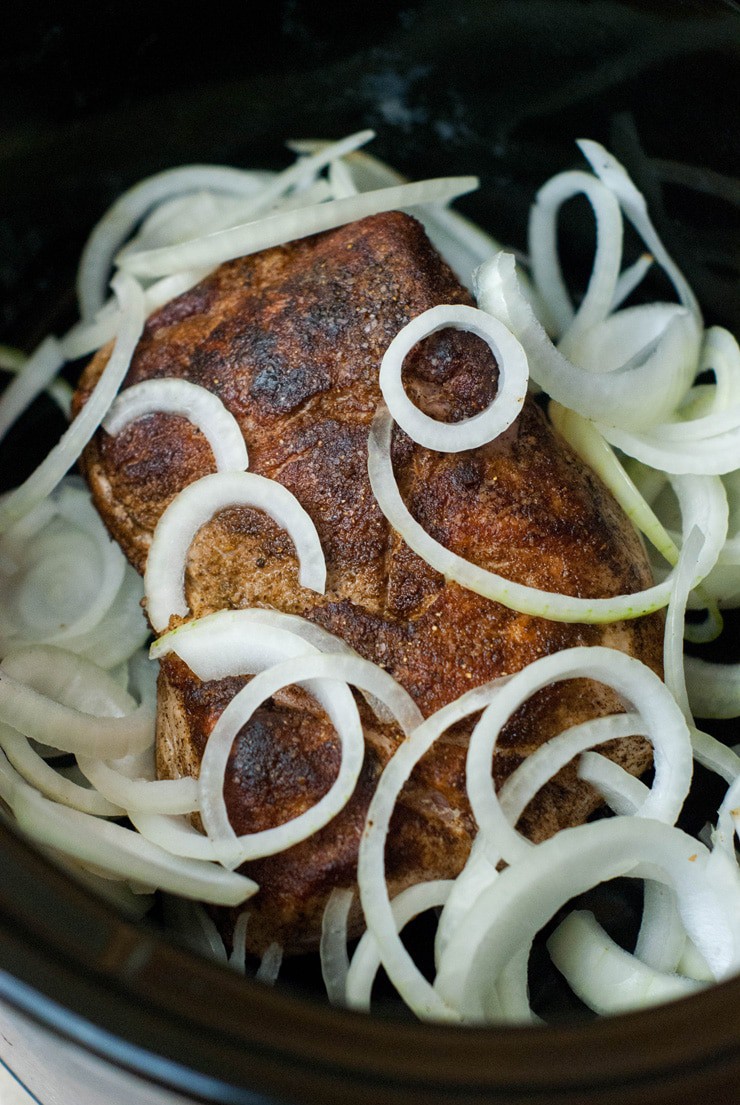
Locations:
291 340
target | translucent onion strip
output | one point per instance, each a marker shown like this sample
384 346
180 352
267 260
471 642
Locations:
507 916
333 946
62 724
408 980
662 343
37 373
714 689
164 578
274 230
543 252
366 959
541 765
454 437
517 596
635 683
49 782
603 975
201 407
120 219
615 177
163 796
318 674
242 642
120 852
339 705
51 470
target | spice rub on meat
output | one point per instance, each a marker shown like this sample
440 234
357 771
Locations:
291 340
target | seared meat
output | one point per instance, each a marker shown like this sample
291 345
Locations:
291 340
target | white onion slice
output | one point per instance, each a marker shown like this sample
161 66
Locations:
49 473
36 374
454 437
622 792
70 722
225 643
630 278
274 230
603 975
163 796
462 244
49 782
517 596
714 689
120 852
476 875
543 252
174 834
333 946
270 964
124 214
366 959
164 578
635 393
584 437
415 990
312 671
238 956
632 202
201 407
714 755
541 765
507 916
339 705
635 683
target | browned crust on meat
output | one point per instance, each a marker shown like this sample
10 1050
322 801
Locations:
291 341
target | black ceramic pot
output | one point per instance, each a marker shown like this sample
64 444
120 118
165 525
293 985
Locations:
92 1007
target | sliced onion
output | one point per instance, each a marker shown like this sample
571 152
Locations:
225 643
621 791
454 437
36 771
410 983
543 252
201 407
366 959
174 834
462 244
477 874
270 964
36 374
125 213
517 596
714 755
603 975
313 671
673 658
635 683
544 763
51 470
506 917
333 947
142 793
630 278
714 689
164 578
632 202
584 437
112 848
636 393
274 230
52 697
238 956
